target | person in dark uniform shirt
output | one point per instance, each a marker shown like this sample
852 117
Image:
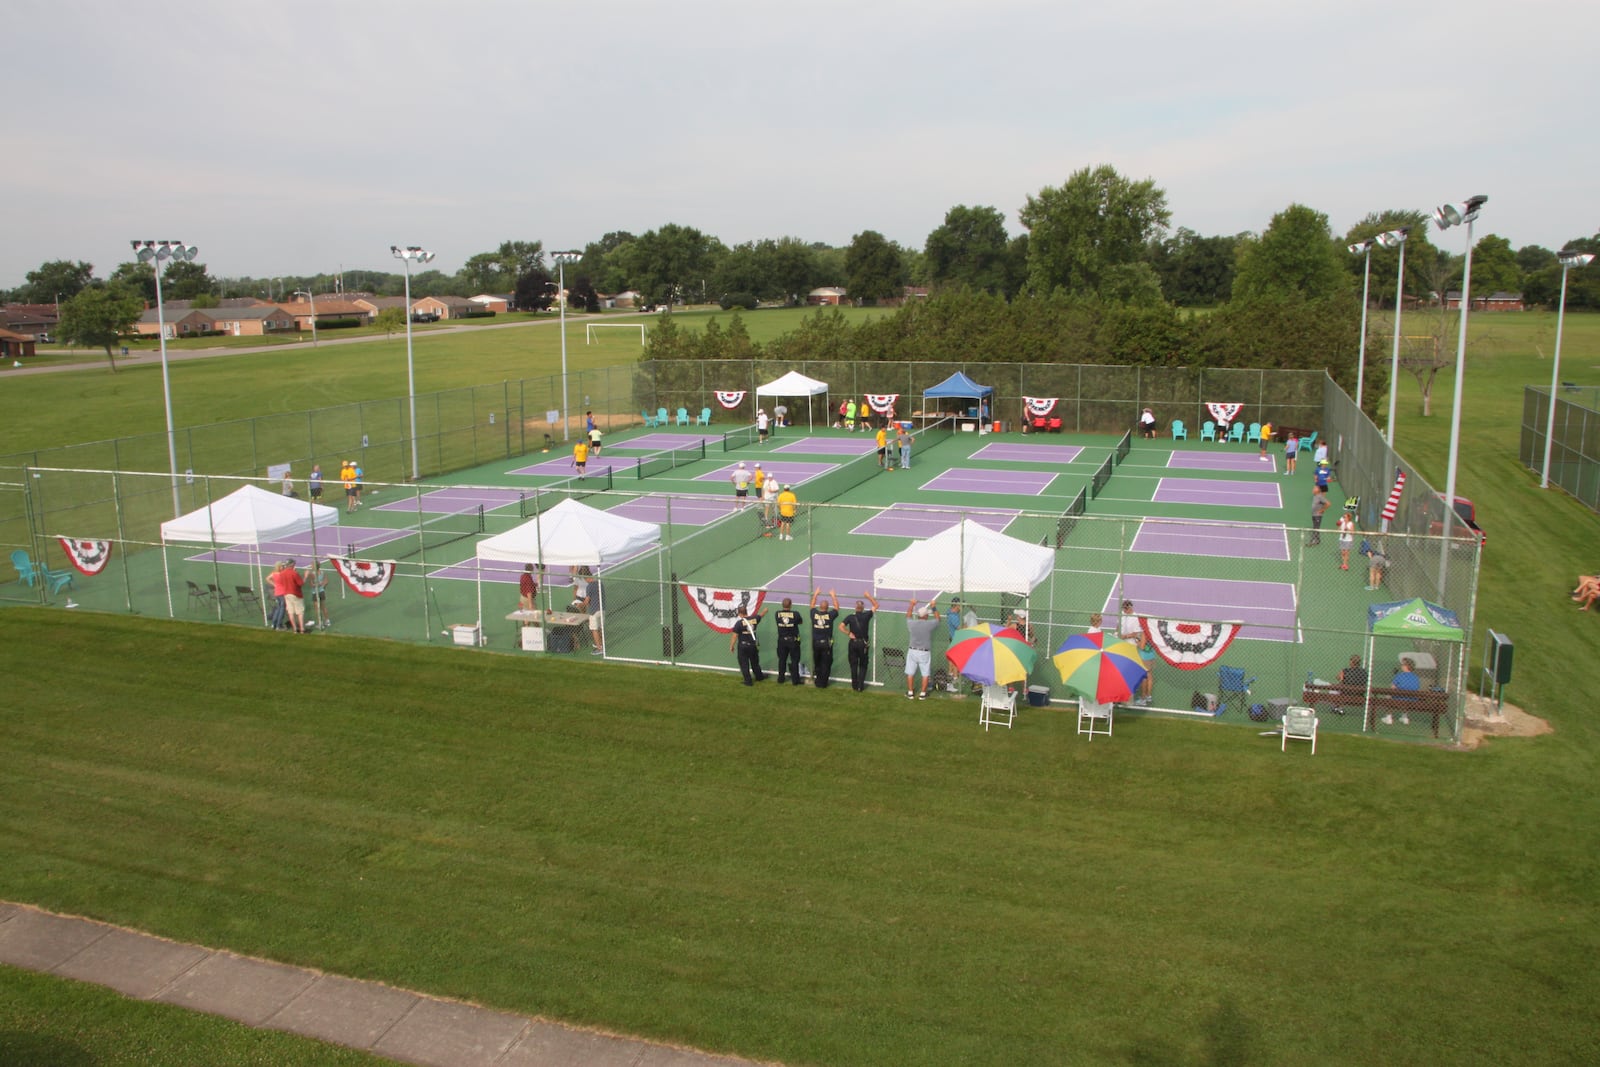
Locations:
742 638
858 625
788 620
822 620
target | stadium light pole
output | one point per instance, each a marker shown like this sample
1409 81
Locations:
1568 259
309 295
157 253
562 259
1395 239
1363 248
409 255
1444 217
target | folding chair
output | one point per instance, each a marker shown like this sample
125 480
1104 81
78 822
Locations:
198 595
247 597
219 596
1233 686
1299 724
1055 425
998 707
1094 717
1039 425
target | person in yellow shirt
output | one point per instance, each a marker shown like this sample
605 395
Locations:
347 475
788 503
1266 436
883 447
760 480
580 456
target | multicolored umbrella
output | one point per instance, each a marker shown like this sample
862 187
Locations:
1099 666
991 655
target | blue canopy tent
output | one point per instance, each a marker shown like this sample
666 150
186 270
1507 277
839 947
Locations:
959 387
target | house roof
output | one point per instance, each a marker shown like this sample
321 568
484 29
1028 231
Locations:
331 306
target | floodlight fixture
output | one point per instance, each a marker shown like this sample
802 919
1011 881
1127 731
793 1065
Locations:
309 295
1395 239
1448 215
157 252
1466 213
1363 248
408 255
1568 258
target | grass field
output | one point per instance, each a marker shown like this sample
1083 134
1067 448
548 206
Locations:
831 878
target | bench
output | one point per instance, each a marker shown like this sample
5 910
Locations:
1431 702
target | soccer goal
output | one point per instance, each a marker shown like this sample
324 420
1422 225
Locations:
591 327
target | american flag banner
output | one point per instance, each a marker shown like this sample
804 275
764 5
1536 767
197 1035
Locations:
1224 412
1040 406
719 608
90 557
881 403
1392 506
732 399
368 577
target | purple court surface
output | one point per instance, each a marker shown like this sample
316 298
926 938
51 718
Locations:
1008 452
1203 537
1220 492
789 471
453 501
1267 609
849 576
971 480
681 511
1239 462
329 541
921 520
660 442
562 466
830 446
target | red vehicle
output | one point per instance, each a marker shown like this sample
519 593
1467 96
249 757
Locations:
1465 525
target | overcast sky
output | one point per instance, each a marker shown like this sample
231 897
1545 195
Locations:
302 137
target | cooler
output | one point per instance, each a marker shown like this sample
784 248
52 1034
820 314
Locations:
1039 696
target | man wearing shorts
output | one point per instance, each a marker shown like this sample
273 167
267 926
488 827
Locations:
920 624
788 503
595 608
315 483
294 604
769 505
1129 628
741 484
761 424
527 589
883 446
580 457
347 475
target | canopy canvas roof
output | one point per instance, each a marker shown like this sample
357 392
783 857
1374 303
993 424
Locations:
959 386
968 558
793 384
249 516
571 534
1414 618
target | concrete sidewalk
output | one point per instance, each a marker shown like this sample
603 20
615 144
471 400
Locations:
400 1025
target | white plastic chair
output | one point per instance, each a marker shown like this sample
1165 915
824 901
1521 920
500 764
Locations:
1299 724
1094 717
998 707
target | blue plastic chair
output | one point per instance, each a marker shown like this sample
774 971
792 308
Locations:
1255 433
28 572
1178 432
705 417
1309 442
649 420
683 416
661 416
1236 435
1208 431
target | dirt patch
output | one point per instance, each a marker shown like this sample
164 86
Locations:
1484 720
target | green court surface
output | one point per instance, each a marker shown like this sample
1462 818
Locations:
1196 532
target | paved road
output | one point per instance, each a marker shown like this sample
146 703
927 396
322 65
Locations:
395 1023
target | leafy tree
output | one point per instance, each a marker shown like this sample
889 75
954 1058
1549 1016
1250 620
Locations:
603 261
535 290
185 280
1420 254
518 258
390 319
665 264
98 317
874 268
1094 222
482 273
581 295
971 248
1296 256
59 279
1494 266
1533 258
205 300
136 277
1195 271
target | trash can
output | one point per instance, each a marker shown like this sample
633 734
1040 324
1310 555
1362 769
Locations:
998 427
1039 696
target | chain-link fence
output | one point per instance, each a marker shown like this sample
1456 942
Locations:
1575 444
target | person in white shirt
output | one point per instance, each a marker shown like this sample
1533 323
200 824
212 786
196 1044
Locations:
769 503
741 483
1147 423
761 424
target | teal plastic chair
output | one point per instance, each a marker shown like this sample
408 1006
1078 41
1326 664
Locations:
28 572
1208 431
683 416
1255 433
1308 443
1236 435
705 417
649 420
1178 432
661 417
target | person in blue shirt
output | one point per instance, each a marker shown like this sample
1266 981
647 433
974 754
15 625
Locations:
1405 680
952 619
1324 474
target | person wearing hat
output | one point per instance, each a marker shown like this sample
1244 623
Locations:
1347 535
1319 505
1147 423
1324 474
741 483
759 480
769 505
762 423
742 639
920 624
294 603
1019 623
788 503
347 476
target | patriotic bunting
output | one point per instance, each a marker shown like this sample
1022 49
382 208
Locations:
731 400
719 608
881 403
1392 506
1190 646
369 577
1040 406
1224 412
90 557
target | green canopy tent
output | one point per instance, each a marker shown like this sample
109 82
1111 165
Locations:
1417 620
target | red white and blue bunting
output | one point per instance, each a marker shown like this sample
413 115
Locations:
1190 646
1040 406
733 399
881 403
1224 412
90 557
369 577
719 608
1392 506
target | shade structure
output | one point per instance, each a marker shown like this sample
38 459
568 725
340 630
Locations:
571 534
991 655
795 384
1417 619
250 516
971 558
1099 668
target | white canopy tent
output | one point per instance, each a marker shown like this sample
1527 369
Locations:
571 534
249 516
968 558
796 384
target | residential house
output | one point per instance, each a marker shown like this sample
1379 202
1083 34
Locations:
497 303
444 307
180 323
32 320
330 309
15 346
256 321
1497 301
827 295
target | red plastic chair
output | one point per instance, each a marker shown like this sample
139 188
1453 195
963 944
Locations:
1055 425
